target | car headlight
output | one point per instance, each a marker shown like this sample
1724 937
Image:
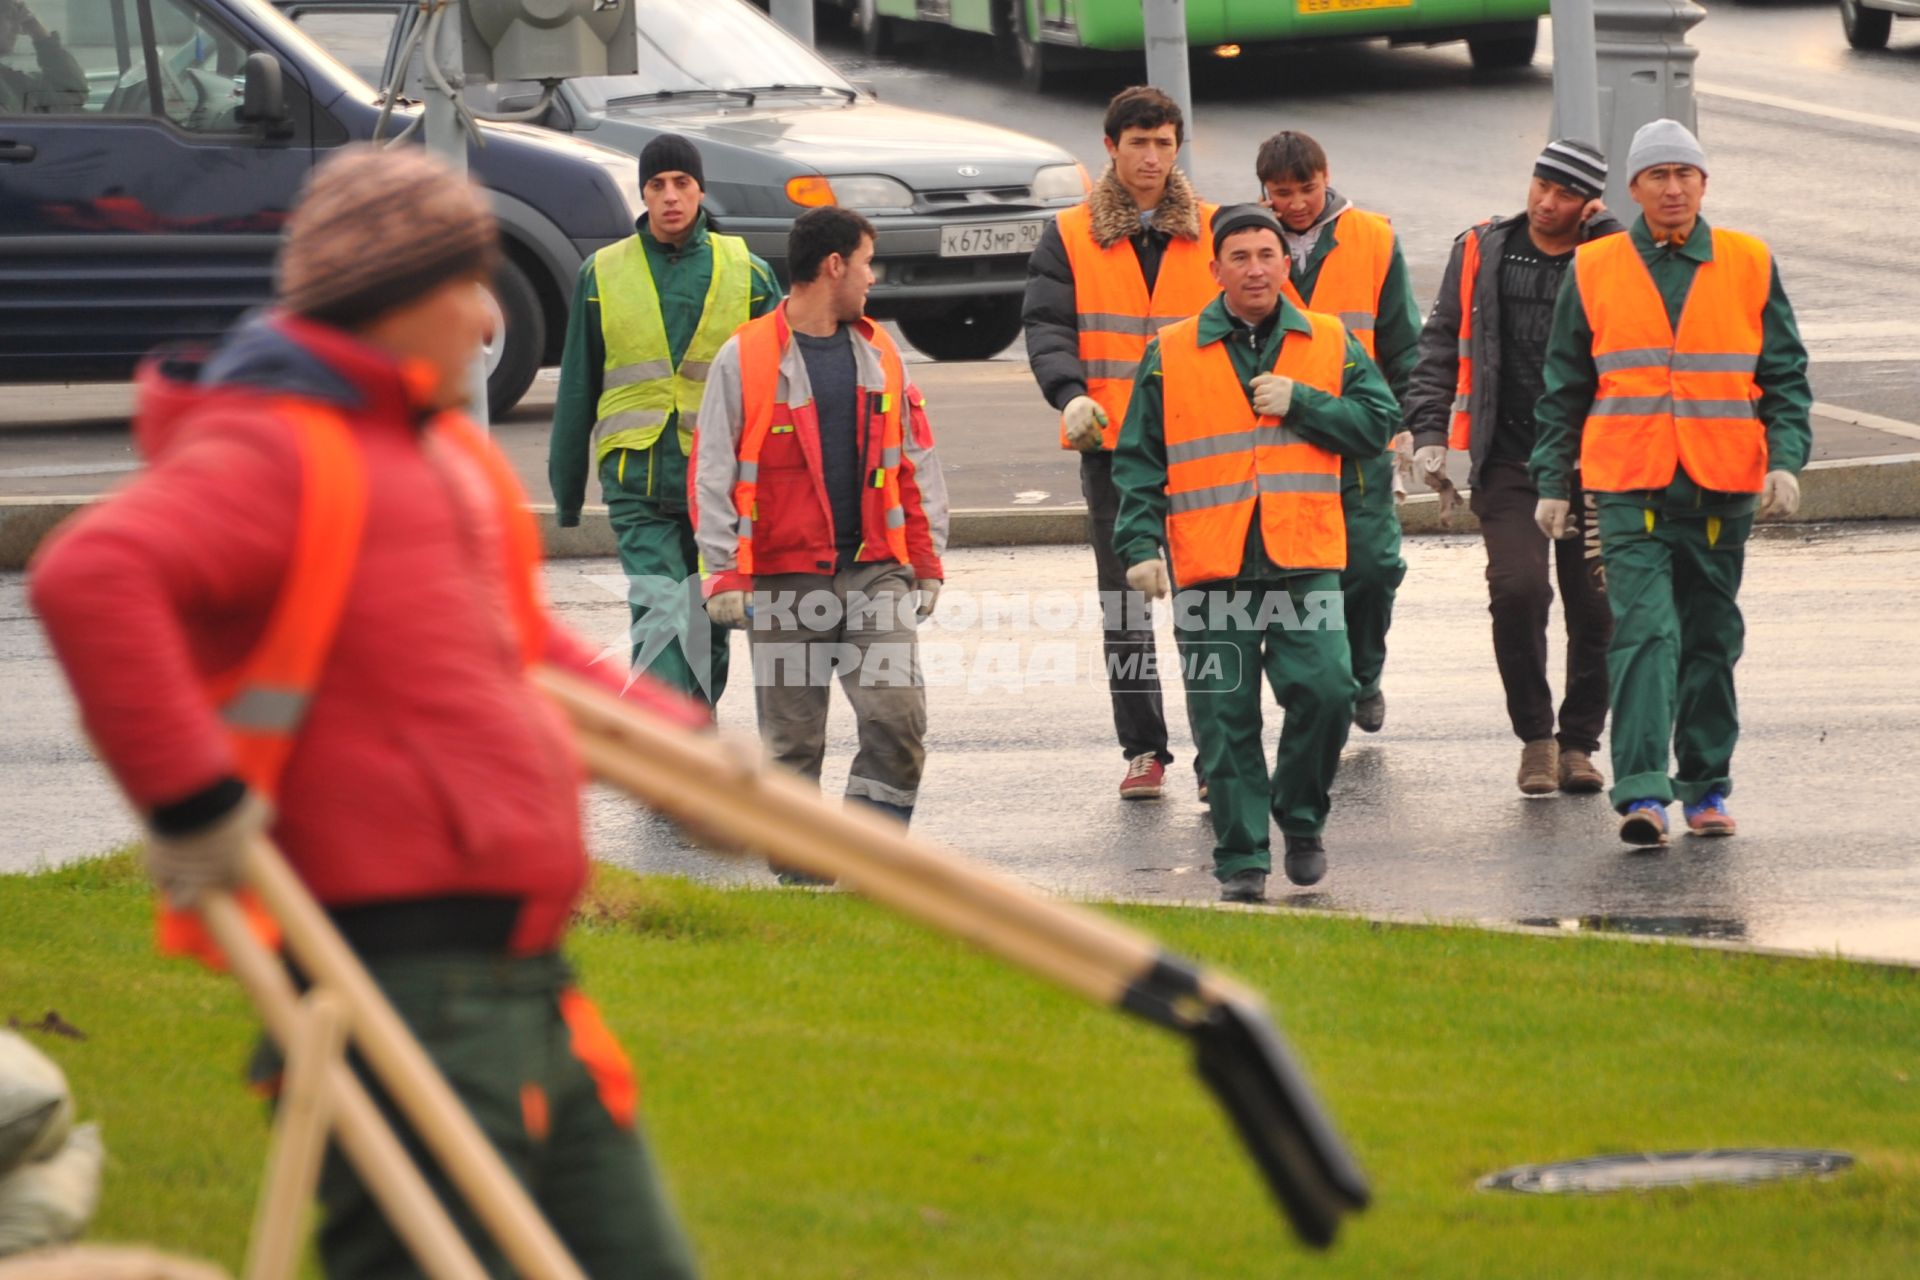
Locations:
1061 182
870 193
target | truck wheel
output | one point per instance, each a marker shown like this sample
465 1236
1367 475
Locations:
1505 51
513 357
876 32
975 329
1865 28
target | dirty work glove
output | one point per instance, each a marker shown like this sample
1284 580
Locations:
1430 464
1780 497
1272 395
1552 514
1084 421
728 608
1149 578
929 592
187 866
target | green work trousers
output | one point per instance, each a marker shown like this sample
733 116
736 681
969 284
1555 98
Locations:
1374 568
1673 582
545 1094
673 639
1292 630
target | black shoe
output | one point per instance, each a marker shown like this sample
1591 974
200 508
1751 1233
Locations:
1306 859
1244 886
1370 713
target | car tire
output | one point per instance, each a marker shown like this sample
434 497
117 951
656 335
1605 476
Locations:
1504 52
514 358
1865 28
876 32
1038 64
974 329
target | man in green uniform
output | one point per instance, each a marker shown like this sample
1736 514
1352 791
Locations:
1676 441
1346 262
1248 516
649 315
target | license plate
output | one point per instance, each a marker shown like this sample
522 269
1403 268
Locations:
984 239
1347 6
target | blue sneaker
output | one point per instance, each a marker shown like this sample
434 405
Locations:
1710 816
1644 823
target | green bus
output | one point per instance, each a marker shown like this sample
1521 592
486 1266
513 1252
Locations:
1047 37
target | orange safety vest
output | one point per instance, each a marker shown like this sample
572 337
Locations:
763 343
1116 316
1460 428
264 699
1223 462
1668 399
1353 273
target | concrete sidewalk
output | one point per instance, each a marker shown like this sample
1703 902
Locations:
1427 823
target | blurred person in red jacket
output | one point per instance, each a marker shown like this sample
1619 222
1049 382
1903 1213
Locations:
314 614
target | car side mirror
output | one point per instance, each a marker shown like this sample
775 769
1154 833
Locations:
263 95
514 103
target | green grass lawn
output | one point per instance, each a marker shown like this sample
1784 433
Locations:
836 1094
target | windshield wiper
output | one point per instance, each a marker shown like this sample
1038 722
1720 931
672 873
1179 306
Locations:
666 95
850 95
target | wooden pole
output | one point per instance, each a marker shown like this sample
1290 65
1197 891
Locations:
299 1141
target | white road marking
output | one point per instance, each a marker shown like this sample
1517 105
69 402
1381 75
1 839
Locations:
1030 497
1808 108
1860 418
77 469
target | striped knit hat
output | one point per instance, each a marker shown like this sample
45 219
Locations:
375 228
1574 165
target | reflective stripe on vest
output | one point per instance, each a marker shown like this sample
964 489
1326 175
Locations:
1460 427
1114 313
1354 272
1224 463
1665 399
264 699
639 387
763 345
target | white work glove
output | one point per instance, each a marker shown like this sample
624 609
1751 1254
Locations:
728 608
1272 395
187 866
1085 422
929 592
1149 578
1430 464
1552 515
1780 498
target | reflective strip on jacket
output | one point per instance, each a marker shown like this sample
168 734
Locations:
1224 462
1668 399
641 390
1460 425
1116 316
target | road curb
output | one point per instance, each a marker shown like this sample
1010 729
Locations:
1847 489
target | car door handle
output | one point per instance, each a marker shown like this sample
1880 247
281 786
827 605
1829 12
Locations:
16 152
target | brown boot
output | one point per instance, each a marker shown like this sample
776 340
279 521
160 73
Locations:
1578 774
1539 767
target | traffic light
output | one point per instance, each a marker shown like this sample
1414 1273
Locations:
547 39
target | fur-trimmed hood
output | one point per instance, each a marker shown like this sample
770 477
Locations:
1115 218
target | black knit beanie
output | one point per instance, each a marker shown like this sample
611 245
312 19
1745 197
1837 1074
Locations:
670 153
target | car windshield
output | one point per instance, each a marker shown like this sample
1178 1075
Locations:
709 50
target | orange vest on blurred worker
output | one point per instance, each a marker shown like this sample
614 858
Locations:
1460 425
1668 399
1353 273
1224 463
1116 314
264 699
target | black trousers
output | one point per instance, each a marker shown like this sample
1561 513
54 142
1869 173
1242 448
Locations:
1133 681
1521 565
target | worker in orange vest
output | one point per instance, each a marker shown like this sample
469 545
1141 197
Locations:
1346 262
1228 470
1677 372
313 615
1105 277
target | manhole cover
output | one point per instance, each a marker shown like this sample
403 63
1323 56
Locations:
1666 1169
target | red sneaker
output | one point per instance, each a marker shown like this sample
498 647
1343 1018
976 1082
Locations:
1144 777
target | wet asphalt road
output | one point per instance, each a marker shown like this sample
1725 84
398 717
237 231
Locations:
1427 823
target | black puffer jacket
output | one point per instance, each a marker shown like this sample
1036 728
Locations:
1427 406
1049 313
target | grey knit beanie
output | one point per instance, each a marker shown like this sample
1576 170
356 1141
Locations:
1663 142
